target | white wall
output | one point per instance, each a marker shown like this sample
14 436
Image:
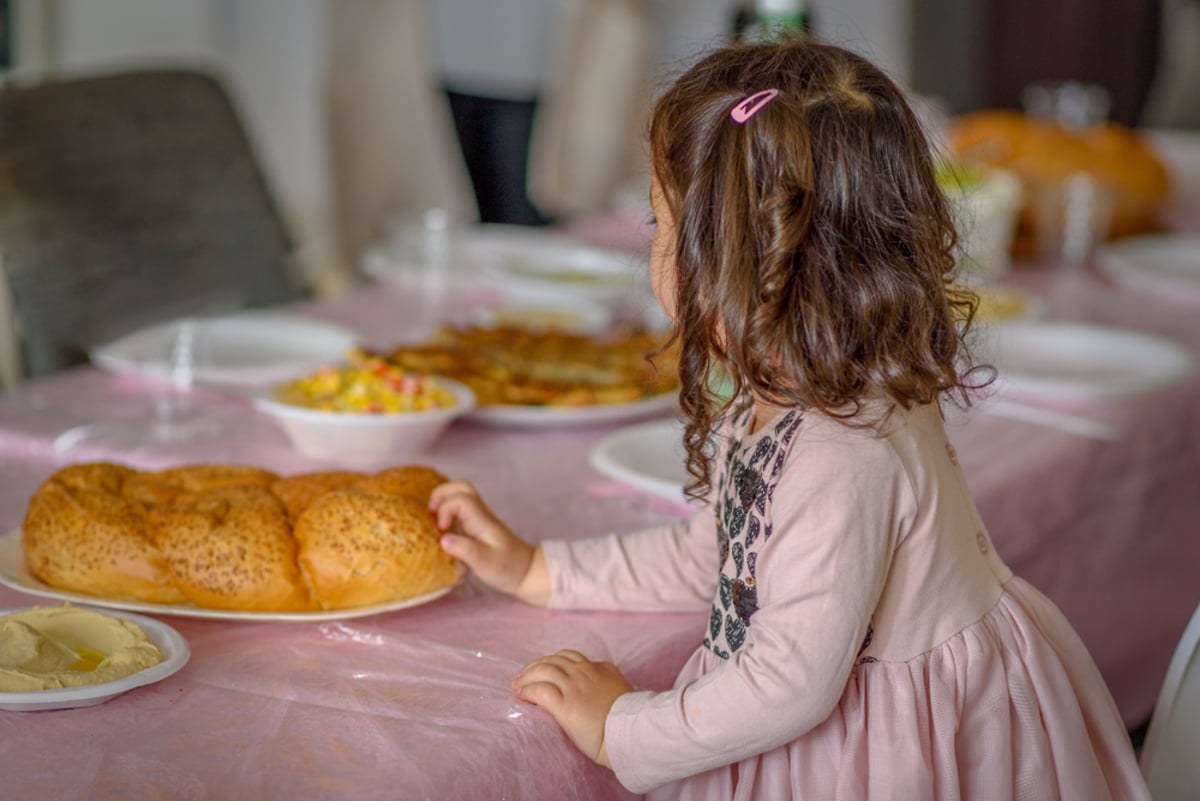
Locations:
103 34
275 52
876 29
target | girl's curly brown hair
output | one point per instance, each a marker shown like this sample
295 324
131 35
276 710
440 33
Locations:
814 250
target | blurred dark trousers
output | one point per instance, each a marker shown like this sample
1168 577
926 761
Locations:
494 135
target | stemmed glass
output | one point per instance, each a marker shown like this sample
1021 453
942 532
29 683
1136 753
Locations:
176 418
426 247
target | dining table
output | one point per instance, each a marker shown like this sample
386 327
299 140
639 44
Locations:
1095 501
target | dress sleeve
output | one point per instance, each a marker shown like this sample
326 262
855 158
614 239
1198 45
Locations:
836 516
668 568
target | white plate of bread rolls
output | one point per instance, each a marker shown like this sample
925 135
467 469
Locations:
232 542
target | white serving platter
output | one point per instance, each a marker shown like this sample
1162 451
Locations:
574 416
14 574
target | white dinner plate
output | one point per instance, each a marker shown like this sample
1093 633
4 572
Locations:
15 574
649 456
574 416
248 349
1070 360
575 315
1165 263
566 268
170 643
471 249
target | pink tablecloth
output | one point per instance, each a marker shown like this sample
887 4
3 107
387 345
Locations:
409 705
416 704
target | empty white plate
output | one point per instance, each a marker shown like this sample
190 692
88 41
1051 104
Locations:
1161 262
648 456
538 312
569 269
1071 360
468 250
248 349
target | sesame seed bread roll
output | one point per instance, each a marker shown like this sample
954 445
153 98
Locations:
96 476
299 491
1041 154
411 481
362 548
238 538
206 477
80 534
231 549
164 486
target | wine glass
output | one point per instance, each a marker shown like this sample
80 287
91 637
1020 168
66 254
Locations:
175 417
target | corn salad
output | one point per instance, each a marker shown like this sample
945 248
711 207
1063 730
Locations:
371 387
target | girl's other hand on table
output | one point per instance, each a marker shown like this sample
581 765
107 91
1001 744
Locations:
577 692
474 535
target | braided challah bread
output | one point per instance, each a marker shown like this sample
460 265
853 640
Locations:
238 538
1041 153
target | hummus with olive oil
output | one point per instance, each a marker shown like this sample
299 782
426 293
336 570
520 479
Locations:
50 647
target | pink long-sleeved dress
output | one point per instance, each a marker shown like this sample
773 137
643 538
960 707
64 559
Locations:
864 643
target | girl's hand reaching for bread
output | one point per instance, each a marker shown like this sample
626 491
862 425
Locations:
577 692
499 558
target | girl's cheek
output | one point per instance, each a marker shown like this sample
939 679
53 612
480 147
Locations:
664 292
662 276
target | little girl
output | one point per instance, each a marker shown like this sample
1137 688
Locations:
864 641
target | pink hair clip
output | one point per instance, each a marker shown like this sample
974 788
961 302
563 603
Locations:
750 105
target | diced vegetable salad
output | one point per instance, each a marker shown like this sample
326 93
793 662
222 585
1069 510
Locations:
373 387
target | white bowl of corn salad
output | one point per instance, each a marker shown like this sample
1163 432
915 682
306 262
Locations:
365 415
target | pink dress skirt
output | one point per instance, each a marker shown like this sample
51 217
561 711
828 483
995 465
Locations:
1005 709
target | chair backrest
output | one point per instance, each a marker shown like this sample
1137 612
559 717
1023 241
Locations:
129 199
1170 757
10 348
1174 100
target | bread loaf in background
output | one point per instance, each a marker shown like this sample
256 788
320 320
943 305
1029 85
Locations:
1042 153
238 538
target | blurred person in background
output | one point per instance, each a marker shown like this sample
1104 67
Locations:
492 62
1114 44
509 111
549 96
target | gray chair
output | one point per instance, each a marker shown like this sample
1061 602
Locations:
130 199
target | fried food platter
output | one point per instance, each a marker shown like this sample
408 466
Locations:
549 378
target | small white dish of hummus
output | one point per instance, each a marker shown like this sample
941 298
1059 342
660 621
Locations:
66 656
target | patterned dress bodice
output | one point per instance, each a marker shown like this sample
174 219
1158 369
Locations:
746 483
